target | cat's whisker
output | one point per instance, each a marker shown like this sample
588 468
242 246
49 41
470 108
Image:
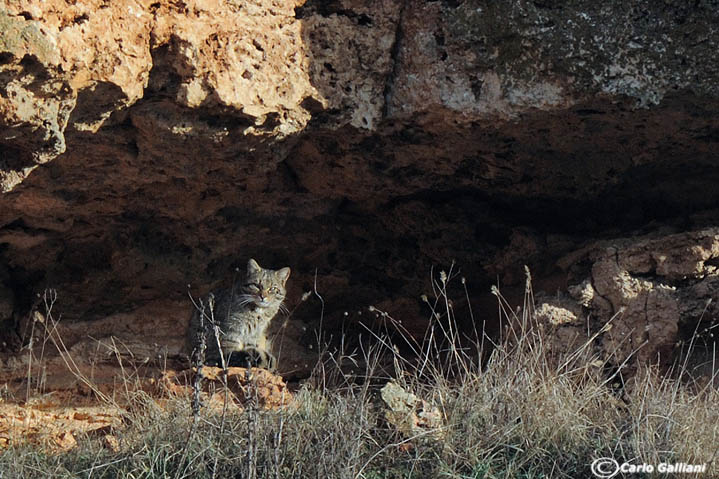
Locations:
244 297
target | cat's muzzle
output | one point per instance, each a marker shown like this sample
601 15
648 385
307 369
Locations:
260 303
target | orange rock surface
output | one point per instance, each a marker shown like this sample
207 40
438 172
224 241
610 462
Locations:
57 419
52 422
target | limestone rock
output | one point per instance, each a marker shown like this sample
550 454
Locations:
65 441
259 386
642 291
49 421
145 145
499 59
111 442
554 315
411 415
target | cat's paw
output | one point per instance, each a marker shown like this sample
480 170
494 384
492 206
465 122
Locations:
215 363
252 357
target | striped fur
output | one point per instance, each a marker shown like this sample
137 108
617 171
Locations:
241 314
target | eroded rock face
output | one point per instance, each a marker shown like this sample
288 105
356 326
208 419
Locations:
490 58
148 145
643 297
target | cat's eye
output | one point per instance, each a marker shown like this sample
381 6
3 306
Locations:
274 290
253 287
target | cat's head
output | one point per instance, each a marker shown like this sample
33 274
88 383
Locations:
265 287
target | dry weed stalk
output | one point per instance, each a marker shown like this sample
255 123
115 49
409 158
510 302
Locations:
50 333
507 411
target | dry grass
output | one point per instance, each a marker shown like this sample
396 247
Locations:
517 415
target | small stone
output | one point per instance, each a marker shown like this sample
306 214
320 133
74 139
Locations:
554 315
65 441
110 442
411 415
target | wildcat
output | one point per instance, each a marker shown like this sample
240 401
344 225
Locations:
241 314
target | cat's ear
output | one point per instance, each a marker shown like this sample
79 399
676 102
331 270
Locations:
283 274
253 267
